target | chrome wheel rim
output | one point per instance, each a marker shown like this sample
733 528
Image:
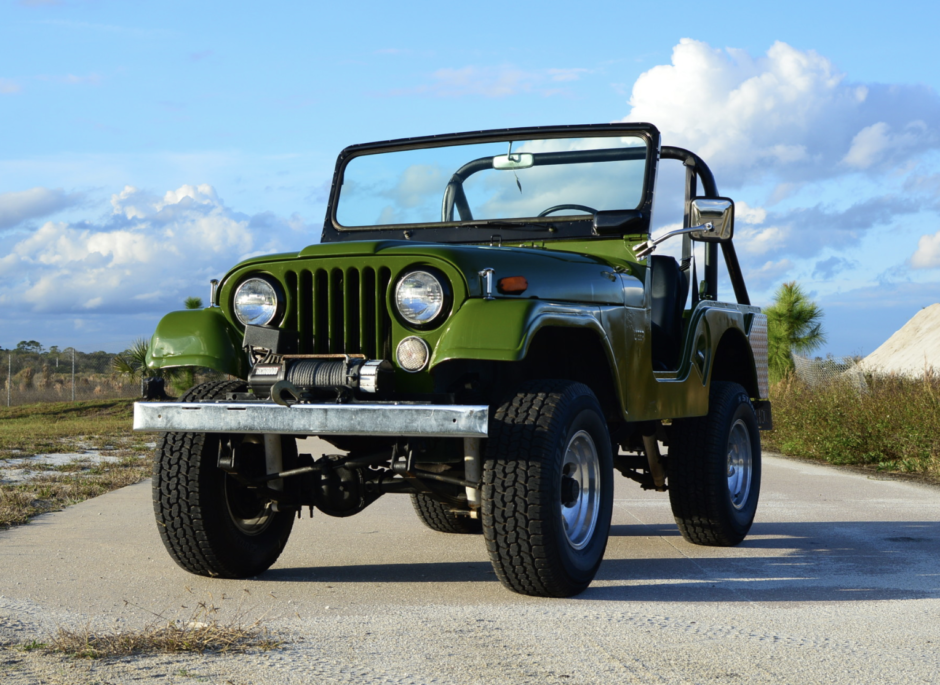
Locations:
740 464
580 489
249 515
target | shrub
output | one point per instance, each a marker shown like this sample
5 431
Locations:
895 426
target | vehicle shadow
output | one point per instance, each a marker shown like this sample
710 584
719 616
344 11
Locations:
778 562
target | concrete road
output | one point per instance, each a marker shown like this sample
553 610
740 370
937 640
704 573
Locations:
839 582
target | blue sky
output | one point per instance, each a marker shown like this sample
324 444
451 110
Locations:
147 147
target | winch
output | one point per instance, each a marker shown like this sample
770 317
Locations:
317 376
321 376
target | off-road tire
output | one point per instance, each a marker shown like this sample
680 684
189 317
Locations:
522 506
192 512
438 516
699 472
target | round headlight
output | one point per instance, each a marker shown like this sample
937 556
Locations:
256 302
420 297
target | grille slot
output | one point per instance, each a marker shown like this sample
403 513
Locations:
342 311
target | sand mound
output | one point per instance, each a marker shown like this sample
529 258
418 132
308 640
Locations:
912 349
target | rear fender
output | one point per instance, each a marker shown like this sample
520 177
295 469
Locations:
198 337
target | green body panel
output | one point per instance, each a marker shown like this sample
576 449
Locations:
198 337
501 330
574 283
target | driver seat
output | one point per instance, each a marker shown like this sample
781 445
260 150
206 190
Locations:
670 287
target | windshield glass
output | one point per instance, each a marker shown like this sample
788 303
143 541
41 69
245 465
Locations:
524 179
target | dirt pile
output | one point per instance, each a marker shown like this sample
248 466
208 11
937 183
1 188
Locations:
912 349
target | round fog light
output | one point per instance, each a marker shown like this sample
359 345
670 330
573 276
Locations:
413 354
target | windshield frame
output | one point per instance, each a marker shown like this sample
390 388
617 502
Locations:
476 231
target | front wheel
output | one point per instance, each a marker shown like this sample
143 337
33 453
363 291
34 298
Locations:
715 469
548 489
210 523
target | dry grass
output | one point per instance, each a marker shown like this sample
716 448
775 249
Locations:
67 427
86 389
204 631
19 502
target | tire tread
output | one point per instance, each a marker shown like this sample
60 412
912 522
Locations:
694 481
517 515
177 501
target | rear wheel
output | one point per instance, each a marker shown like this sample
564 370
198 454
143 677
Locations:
715 469
548 489
439 516
210 523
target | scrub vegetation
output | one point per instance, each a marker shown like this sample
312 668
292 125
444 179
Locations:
893 426
32 373
884 422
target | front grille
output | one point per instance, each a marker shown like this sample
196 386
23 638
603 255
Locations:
341 310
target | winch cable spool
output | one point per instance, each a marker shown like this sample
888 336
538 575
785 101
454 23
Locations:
319 373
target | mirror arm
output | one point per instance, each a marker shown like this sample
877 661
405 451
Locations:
644 249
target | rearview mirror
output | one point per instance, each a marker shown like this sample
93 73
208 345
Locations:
519 160
715 213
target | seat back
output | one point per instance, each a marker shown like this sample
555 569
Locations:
670 287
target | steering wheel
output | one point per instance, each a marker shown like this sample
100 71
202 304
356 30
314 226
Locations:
558 208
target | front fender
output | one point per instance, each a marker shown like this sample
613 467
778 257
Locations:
501 330
198 337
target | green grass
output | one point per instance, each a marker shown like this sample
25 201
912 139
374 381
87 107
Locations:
58 427
894 427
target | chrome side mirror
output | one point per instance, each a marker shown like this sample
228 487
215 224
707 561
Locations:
713 219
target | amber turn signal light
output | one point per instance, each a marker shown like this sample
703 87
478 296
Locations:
512 285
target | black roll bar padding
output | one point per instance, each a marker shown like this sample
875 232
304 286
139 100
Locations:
734 271
691 181
690 159
710 188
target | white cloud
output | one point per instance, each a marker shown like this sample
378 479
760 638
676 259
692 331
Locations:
767 275
807 231
763 239
878 142
20 206
927 255
148 255
743 212
8 87
790 112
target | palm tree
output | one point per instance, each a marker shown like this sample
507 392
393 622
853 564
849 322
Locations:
794 325
132 362
193 303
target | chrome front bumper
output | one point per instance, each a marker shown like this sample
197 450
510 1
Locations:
445 421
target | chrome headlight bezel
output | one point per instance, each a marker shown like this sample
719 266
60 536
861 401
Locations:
422 345
280 301
444 305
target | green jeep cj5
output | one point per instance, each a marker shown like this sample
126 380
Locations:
485 326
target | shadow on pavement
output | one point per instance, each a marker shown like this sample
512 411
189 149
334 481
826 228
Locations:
833 561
